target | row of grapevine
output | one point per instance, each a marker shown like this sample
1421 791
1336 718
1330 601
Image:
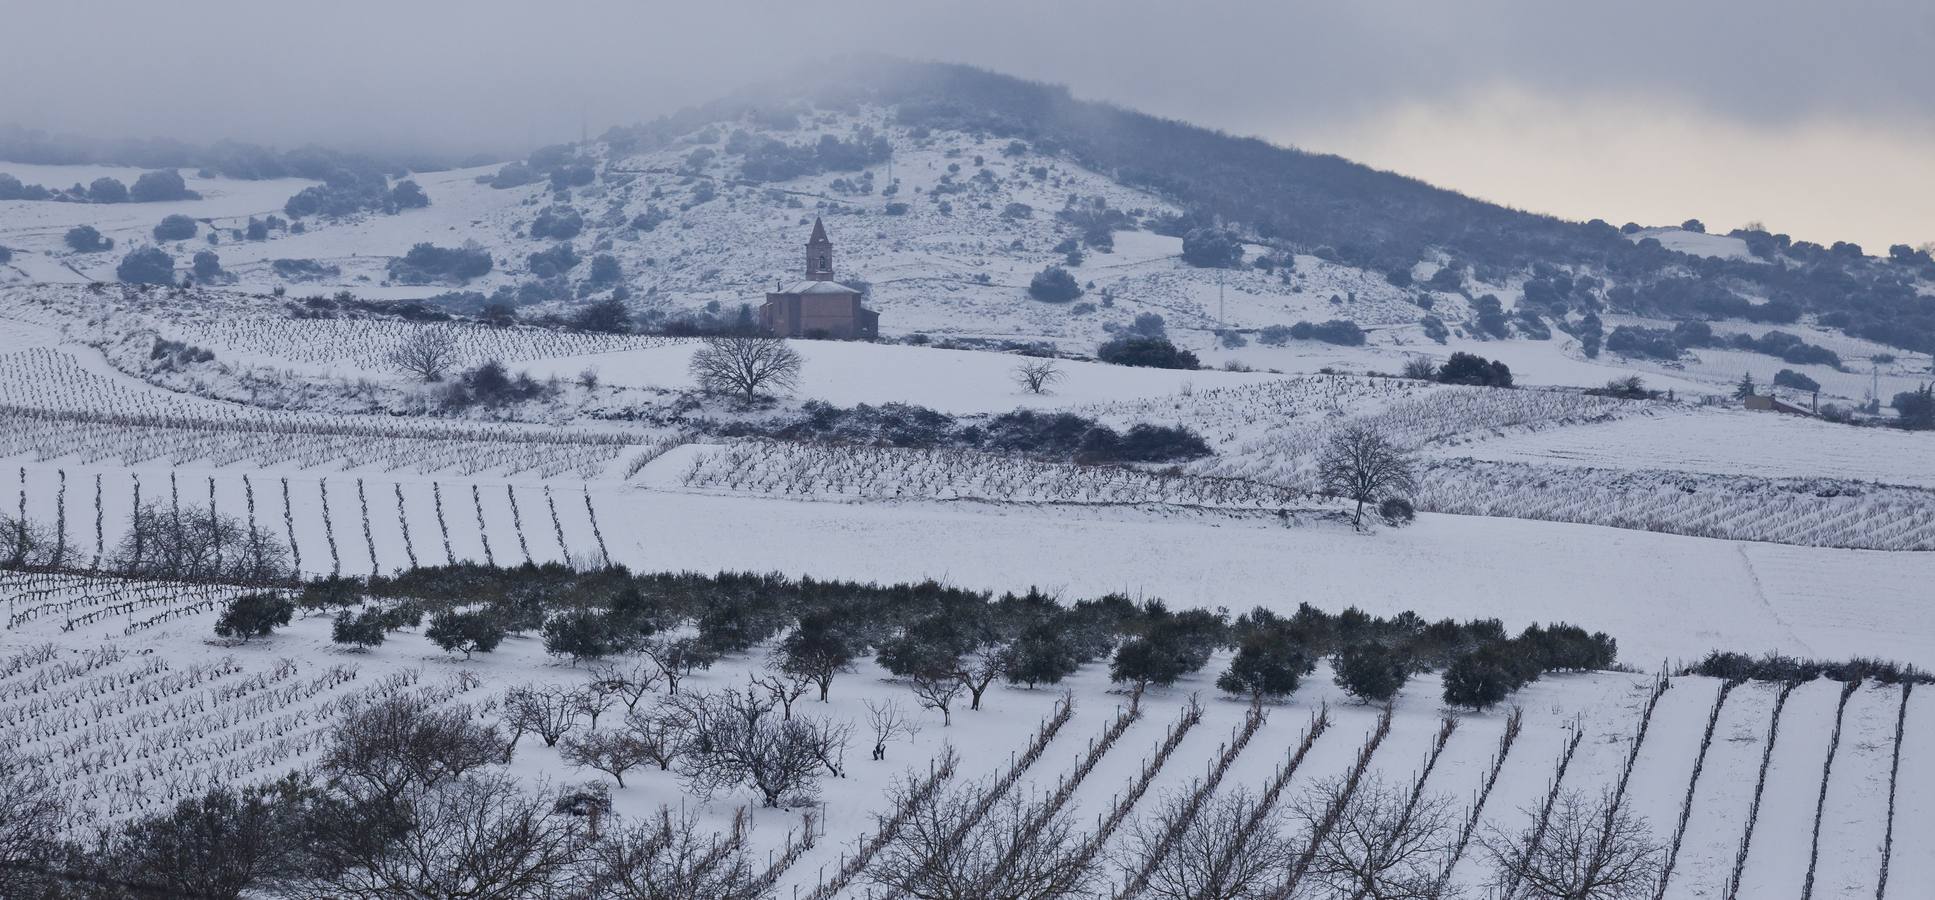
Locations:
872 473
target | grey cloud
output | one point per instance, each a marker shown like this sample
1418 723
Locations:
499 75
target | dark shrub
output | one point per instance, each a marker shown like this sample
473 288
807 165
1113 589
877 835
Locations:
553 262
1491 317
160 185
1788 378
557 222
408 195
148 265
469 632
1149 325
107 190
359 630
605 270
254 615
1479 680
1038 433
175 228
303 270
1158 443
1396 511
1434 328
1371 672
512 175
84 239
1342 332
1267 664
609 316
208 266
1211 248
493 385
426 263
1149 352
1568 647
1916 408
1467 368
1054 285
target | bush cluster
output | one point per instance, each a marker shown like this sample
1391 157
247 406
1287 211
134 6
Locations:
1342 332
1027 638
557 222
1468 368
1147 352
492 385
1738 667
427 262
1058 436
931 631
175 228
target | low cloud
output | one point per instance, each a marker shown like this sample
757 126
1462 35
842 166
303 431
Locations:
501 76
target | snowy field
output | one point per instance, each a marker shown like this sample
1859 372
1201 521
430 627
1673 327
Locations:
279 695
1748 597
1677 528
1733 442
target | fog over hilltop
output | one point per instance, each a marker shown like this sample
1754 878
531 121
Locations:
1812 118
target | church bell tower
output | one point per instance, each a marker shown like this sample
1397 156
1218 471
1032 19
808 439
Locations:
819 254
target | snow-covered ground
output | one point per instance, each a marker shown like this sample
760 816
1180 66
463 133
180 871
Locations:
591 482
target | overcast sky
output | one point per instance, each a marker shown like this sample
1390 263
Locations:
1815 118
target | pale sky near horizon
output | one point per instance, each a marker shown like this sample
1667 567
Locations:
1815 119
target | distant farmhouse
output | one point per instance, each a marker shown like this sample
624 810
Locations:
818 306
1766 403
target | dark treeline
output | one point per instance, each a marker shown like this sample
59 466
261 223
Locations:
1776 667
1059 436
945 639
230 159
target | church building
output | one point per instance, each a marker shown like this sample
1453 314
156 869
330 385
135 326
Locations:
818 306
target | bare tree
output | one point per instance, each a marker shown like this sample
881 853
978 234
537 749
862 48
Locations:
428 353
733 739
678 657
955 847
665 856
745 365
660 734
482 835
937 690
24 543
980 666
593 699
1362 465
389 748
1230 849
1588 848
1036 376
628 683
783 687
888 722
611 752
548 712
32 812
195 543
1376 841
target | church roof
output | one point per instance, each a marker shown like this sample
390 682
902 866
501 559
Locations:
817 287
819 233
